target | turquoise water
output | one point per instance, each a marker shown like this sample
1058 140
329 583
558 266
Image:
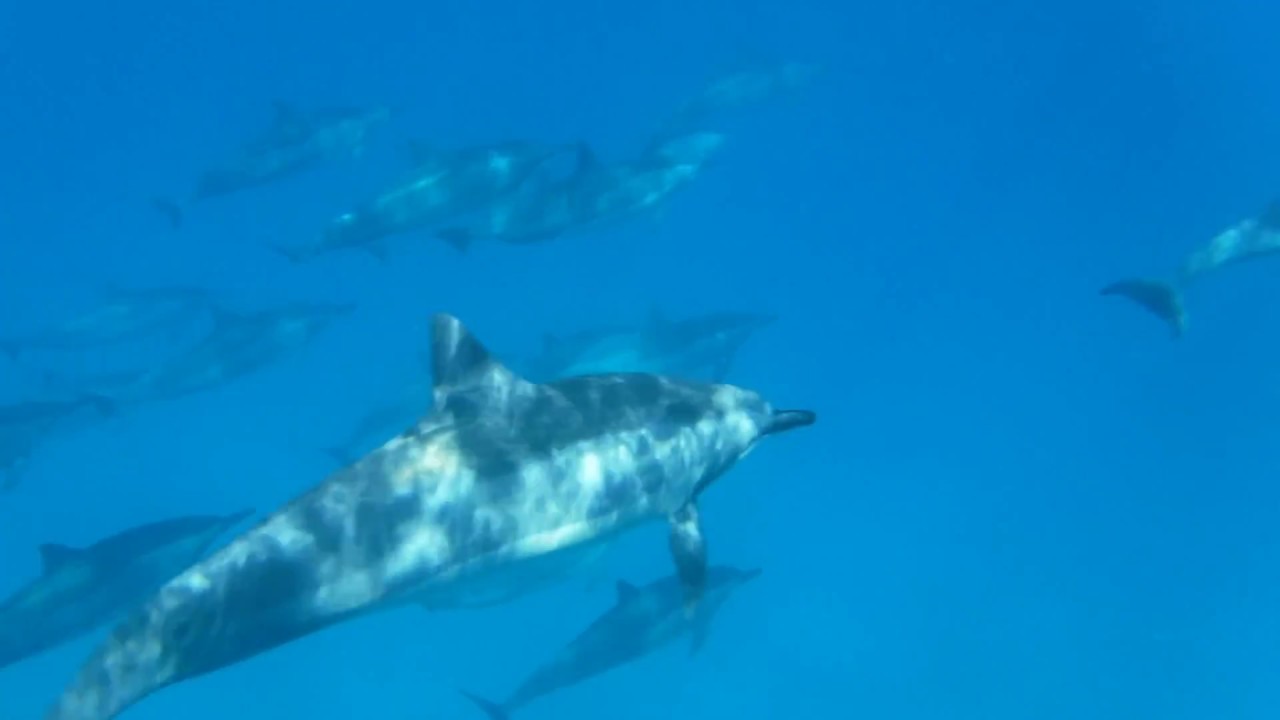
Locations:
1020 500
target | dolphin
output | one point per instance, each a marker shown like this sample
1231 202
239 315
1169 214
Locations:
442 185
380 422
83 588
492 494
124 315
702 347
1250 239
25 425
294 142
641 621
592 196
238 344
748 85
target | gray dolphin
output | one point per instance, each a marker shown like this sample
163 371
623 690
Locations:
499 489
238 344
296 141
83 588
702 347
443 185
643 620
1250 239
748 85
594 195
123 315
25 425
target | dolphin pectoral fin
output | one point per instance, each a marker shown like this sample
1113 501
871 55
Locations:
457 238
1157 297
490 708
689 550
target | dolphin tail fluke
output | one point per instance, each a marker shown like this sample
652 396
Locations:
1158 297
459 239
490 708
170 209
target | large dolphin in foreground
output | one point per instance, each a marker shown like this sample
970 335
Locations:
1250 239
501 487
83 588
643 620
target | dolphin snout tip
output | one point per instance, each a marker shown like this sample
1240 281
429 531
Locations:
784 420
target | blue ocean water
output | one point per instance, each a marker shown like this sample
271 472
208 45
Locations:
1020 499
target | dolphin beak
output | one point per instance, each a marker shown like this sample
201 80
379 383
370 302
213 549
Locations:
784 420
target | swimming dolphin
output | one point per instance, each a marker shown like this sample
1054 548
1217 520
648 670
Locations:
124 315
642 620
238 344
379 423
443 185
592 196
296 141
748 85
493 493
23 426
1250 239
702 347
83 588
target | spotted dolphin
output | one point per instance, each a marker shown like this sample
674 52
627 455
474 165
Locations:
294 142
497 490
1250 239
641 621
83 588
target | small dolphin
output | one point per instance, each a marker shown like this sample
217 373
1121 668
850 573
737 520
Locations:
495 492
383 421
25 425
295 142
741 88
594 195
643 620
701 347
238 344
125 315
81 589
442 186
1250 239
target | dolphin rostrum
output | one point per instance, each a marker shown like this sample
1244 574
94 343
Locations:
499 488
82 588
643 620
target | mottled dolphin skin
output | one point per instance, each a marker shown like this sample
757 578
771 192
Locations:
496 490
443 185
238 344
295 142
83 588
25 425
643 620
124 315
701 348
1250 239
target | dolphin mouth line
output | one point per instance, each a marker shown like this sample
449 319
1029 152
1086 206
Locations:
784 420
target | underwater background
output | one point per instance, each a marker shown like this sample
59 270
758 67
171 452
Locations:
1021 500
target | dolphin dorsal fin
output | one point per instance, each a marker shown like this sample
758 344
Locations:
54 556
462 368
626 591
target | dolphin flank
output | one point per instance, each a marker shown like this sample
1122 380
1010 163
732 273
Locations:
502 486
